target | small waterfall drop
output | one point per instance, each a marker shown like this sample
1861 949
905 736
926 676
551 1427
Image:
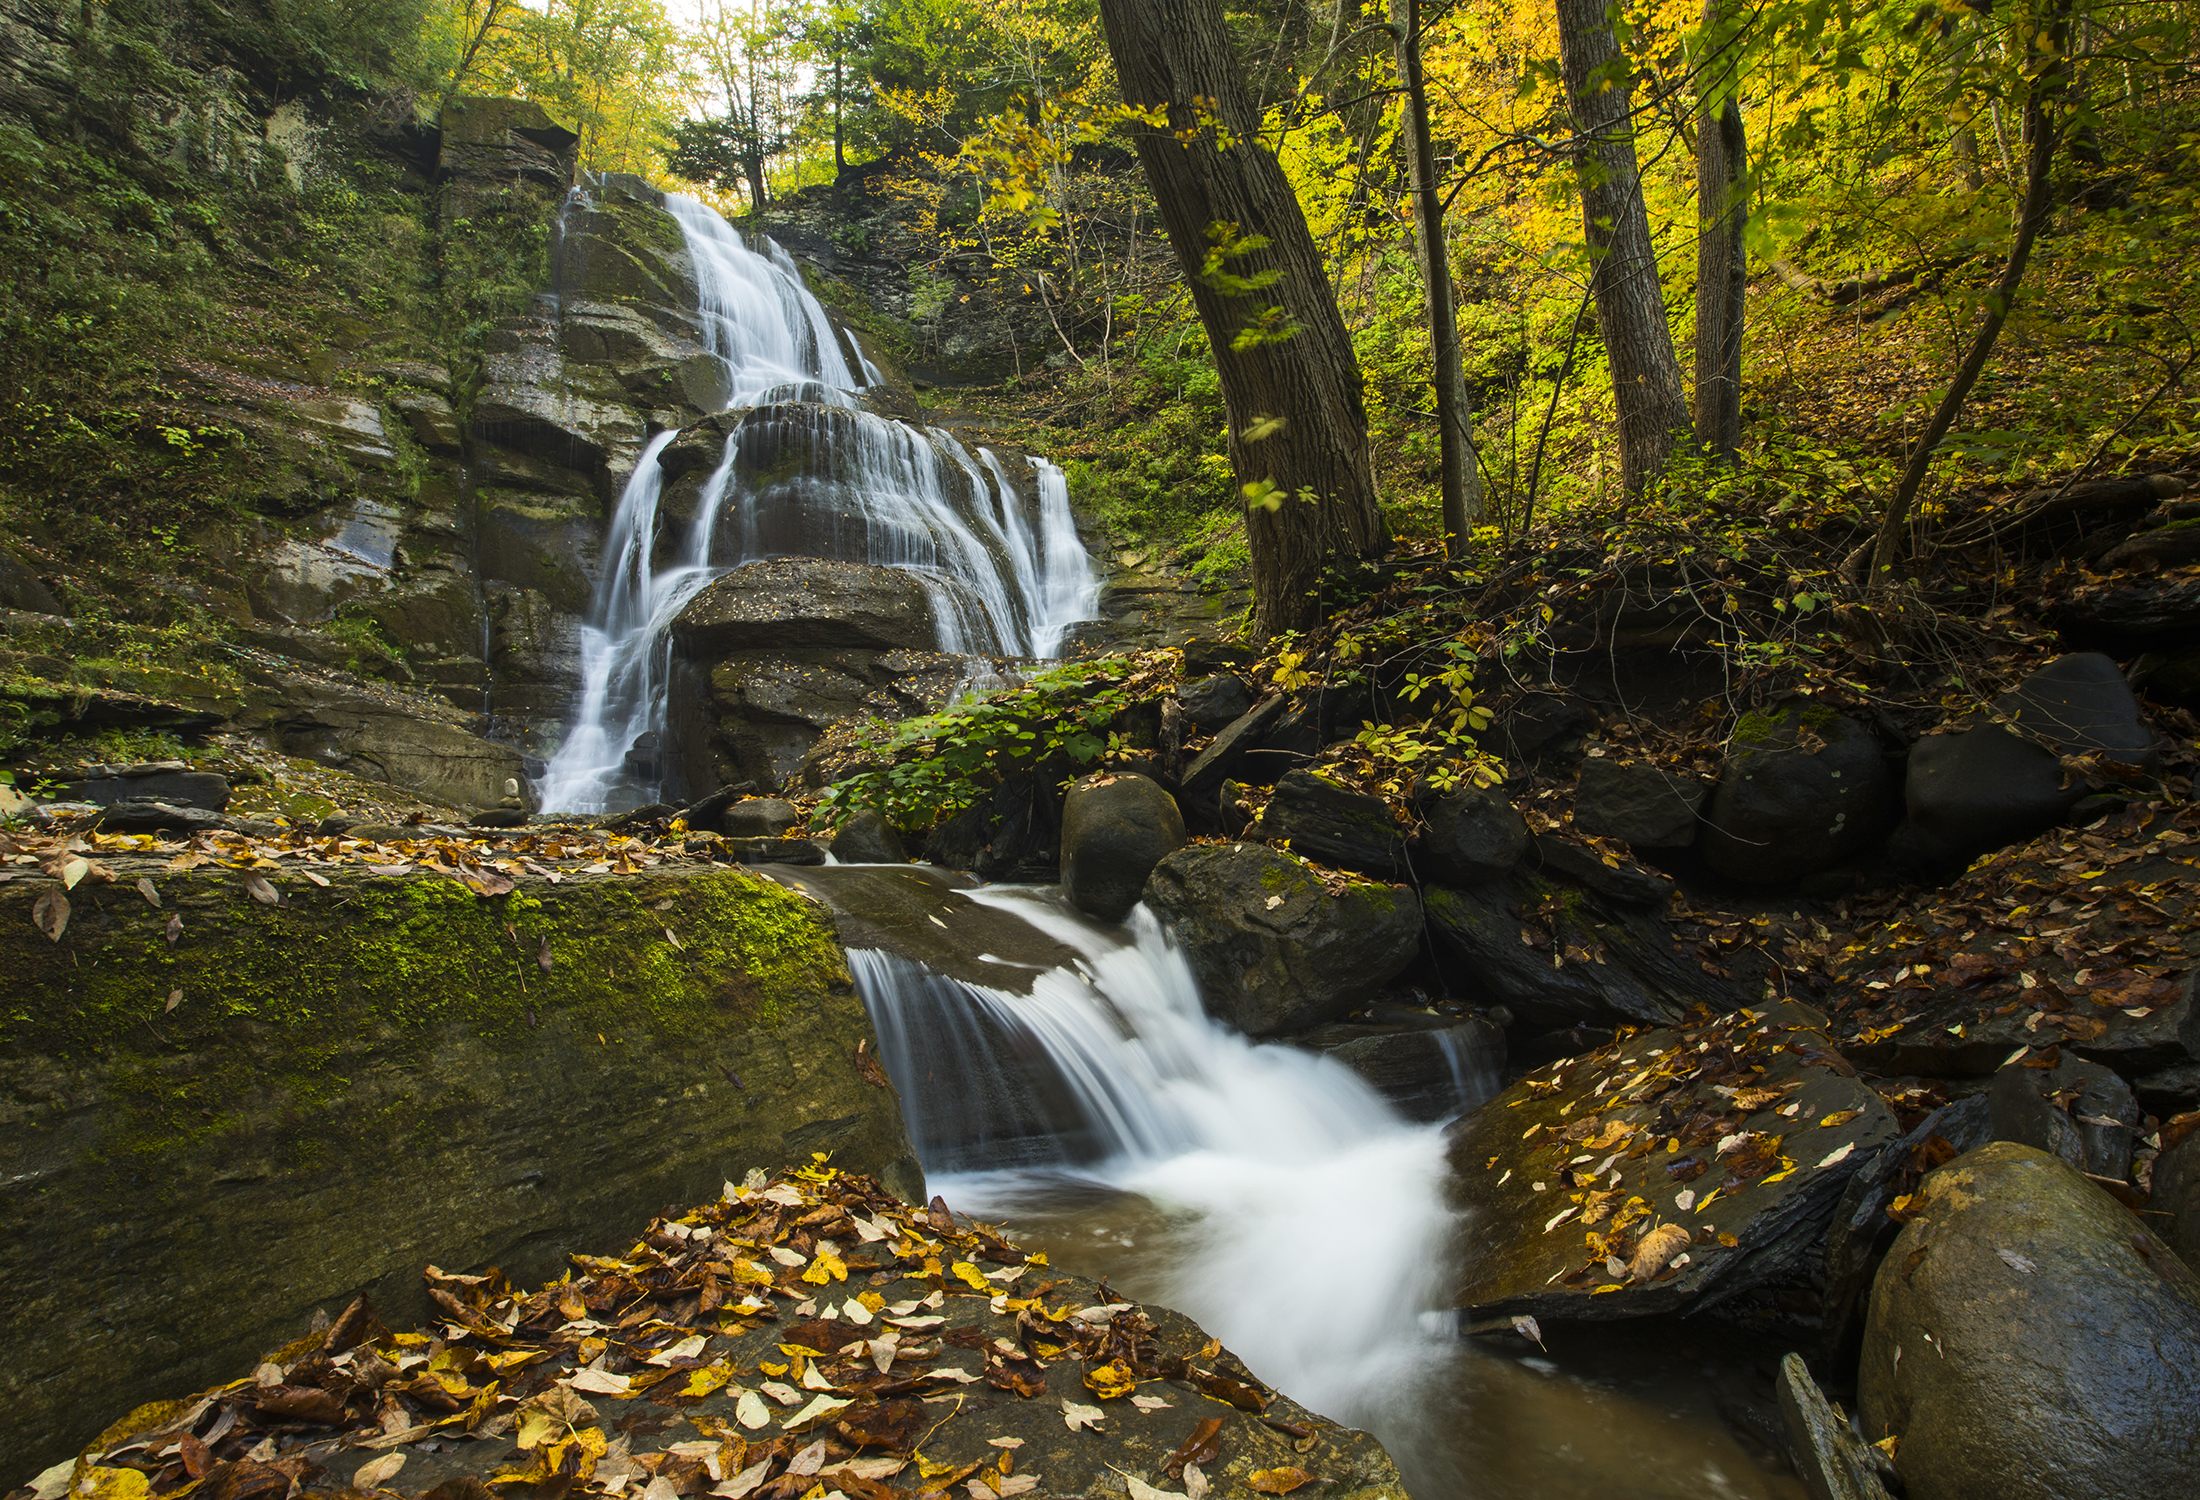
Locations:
1296 1215
805 472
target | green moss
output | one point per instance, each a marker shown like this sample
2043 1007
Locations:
289 1007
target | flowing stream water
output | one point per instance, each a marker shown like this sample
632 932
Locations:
1274 1197
807 472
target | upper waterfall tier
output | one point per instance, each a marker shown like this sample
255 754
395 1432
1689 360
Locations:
804 470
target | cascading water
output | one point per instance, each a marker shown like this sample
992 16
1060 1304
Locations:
806 473
1274 1197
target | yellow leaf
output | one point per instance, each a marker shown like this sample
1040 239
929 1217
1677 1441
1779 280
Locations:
1279 1481
1111 1380
972 1275
708 1381
110 1484
1840 1117
827 1266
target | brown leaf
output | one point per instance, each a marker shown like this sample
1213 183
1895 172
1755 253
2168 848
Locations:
542 956
867 1065
175 998
1200 1448
261 891
51 912
146 889
175 927
1279 1481
1658 1247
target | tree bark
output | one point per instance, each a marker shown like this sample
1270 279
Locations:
1461 478
1646 375
1294 405
1722 267
2040 136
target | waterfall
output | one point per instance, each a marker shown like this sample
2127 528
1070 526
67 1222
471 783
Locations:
806 471
1300 1217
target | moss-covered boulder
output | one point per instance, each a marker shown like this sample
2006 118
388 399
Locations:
218 1113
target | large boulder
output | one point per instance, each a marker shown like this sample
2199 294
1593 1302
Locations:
1985 786
1643 805
1430 1067
1115 828
756 818
1274 950
1803 789
1330 823
2076 1110
1215 702
1469 836
2176 1200
169 781
1576 1204
2030 1339
866 838
1556 955
802 602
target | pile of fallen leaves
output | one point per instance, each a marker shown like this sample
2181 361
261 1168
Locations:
814 1336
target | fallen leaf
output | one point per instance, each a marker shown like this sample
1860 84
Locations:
1195 1482
1077 1418
175 927
2016 1262
818 1409
601 1383
261 891
751 1412
1279 1481
1140 1490
1840 1155
1840 1117
51 912
316 877
376 1472
1149 1403
146 889
175 998
1658 1247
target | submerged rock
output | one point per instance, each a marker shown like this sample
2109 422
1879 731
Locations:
1115 829
1672 1169
2031 1340
1274 949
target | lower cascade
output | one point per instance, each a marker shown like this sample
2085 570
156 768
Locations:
803 470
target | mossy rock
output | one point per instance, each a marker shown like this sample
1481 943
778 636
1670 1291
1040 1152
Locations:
373 1076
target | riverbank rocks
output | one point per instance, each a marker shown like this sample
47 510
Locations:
1985 786
2176 1199
223 1111
866 838
1201 787
1668 1170
806 601
1556 955
1274 948
1469 836
2076 1110
1803 789
2031 1340
906 1369
1215 702
1332 824
756 818
1431 1067
1115 828
1643 805
169 781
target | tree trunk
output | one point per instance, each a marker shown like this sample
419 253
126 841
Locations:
840 154
2039 138
1461 477
1722 267
1298 428
1646 375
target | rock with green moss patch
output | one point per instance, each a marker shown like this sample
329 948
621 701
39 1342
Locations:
1331 823
206 1138
1115 828
1802 790
1275 952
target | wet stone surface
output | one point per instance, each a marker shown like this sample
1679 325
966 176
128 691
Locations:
810 1335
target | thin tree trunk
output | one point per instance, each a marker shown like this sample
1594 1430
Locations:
1460 476
1722 267
2040 135
1646 375
1298 427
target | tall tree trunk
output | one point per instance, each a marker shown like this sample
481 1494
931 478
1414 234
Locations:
1646 375
840 155
1298 428
1461 477
1722 267
2039 138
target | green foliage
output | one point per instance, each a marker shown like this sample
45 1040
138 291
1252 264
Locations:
940 764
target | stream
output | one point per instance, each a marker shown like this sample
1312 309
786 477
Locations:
1275 1198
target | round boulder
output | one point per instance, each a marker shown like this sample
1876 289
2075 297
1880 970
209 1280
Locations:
1803 789
1115 828
2031 1340
1648 807
1215 702
1471 836
866 838
1273 950
755 818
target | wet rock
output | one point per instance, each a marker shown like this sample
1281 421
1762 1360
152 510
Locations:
1215 702
1831 1460
919 912
1013 832
1274 950
1431 1067
1469 836
2168 1091
771 851
2076 1110
866 838
2159 613
1558 956
1626 881
2174 1209
422 744
2046 1340
157 817
499 817
2155 1042
160 781
1115 829
1644 805
1861 1230
1803 789
1332 824
804 602
1985 786
1574 1205
1225 758
754 818
1204 656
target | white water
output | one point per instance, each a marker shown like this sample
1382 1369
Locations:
810 474
1303 1215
